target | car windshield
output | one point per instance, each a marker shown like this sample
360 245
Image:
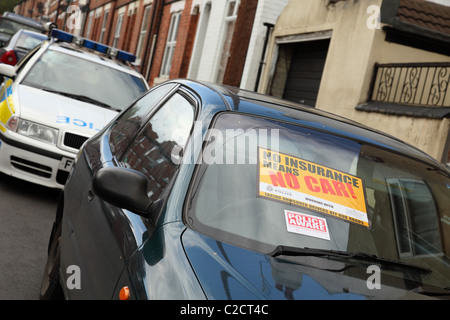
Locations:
10 27
29 41
262 184
59 72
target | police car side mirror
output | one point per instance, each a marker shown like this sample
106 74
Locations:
123 188
7 70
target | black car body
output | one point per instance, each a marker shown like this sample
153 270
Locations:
22 42
10 23
200 191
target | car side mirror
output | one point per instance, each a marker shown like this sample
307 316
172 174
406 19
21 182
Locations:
123 188
7 70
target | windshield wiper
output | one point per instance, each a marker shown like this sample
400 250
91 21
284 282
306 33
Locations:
294 251
432 291
81 98
22 48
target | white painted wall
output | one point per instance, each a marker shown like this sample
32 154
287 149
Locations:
267 11
203 64
204 60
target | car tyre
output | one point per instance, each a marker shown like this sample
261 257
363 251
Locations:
50 286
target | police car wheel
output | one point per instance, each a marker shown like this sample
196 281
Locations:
50 286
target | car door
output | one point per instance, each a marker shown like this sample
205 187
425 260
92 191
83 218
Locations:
103 236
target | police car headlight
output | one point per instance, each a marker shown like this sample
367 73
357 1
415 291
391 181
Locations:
37 131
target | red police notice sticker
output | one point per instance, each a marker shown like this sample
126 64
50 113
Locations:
306 224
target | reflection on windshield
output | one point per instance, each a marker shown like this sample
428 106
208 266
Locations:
399 209
57 71
29 41
415 218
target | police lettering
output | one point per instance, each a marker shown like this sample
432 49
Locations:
76 122
307 222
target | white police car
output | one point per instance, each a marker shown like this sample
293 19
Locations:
58 96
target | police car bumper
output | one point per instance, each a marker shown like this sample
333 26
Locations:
29 162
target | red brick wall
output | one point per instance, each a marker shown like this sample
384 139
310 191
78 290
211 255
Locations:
180 55
159 25
160 44
93 4
188 30
185 42
131 32
240 41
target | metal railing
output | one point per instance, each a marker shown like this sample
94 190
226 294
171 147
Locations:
420 84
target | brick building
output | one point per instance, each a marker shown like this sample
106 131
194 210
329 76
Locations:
200 39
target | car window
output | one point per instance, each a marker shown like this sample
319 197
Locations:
29 41
129 122
22 62
155 148
306 188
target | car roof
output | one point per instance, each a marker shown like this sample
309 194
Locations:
18 35
34 33
251 103
22 19
83 53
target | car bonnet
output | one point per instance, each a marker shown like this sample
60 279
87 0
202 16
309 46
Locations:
61 112
230 272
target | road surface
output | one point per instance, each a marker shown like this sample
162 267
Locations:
26 216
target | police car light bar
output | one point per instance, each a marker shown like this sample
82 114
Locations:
110 51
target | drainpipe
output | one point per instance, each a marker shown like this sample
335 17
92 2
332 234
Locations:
155 37
32 8
112 14
85 9
57 12
65 16
149 38
150 59
269 27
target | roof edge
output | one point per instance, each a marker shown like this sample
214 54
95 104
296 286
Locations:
437 113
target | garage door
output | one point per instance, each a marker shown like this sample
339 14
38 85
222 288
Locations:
305 72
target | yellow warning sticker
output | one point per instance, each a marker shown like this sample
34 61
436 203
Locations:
309 185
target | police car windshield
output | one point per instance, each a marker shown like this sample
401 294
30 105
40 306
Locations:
60 72
264 183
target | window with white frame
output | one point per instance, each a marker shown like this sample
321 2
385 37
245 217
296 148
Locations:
230 22
142 34
89 25
170 44
103 30
203 26
129 27
118 29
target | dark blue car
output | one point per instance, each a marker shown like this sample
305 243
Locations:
200 191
